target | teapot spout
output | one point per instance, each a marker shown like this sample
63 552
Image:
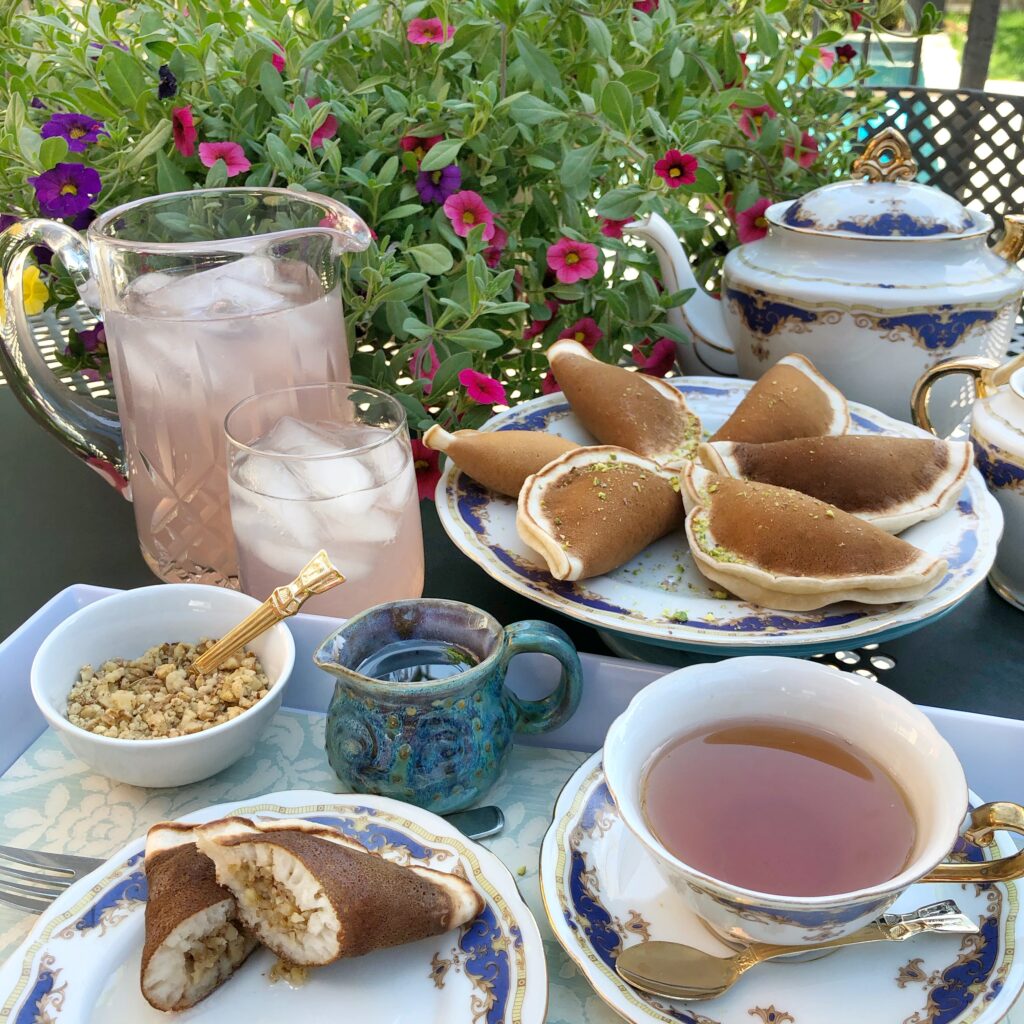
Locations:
1011 245
701 315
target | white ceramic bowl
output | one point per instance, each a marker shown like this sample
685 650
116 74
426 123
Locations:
126 625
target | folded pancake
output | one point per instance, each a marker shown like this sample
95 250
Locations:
892 482
782 549
499 459
620 407
792 399
313 896
194 940
593 509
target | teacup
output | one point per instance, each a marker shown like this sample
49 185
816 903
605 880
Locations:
876 721
439 743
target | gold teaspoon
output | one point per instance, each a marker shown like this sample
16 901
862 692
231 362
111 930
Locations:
676 971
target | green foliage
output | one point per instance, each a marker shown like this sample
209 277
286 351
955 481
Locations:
1007 61
554 110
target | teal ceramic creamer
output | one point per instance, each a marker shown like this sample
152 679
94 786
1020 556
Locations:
436 742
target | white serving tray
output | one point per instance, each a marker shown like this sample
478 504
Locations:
990 748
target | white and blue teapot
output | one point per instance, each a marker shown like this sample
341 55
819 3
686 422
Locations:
874 279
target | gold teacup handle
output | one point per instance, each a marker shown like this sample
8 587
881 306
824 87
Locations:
978 367
986 820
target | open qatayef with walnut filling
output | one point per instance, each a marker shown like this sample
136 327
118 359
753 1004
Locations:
194 940
782 549
312 896
501 460
631 410
792 399
594 509
892 482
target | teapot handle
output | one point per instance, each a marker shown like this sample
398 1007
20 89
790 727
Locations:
77 420
978 367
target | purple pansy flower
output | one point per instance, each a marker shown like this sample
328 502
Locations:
66 189
79 131
37 103
93 338
82 220
437 186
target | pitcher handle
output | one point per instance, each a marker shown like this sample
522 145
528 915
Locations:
77 420
978 367
551 711
985 820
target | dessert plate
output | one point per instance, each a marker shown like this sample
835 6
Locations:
602 893
660 597
80 964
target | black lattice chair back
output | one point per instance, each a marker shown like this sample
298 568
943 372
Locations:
967 142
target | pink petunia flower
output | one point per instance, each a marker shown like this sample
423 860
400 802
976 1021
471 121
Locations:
493 252
465 210
278 58
585 331
548 384
426 31
855 19
647 6
537 327
183 128
676 168
805 154
230 152
659 360
424 365
612 228
418 145
482 389
572 261
751 223
826 57
327 130
426 462
752 118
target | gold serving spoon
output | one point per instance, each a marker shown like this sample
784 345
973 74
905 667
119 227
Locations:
676 971
317 576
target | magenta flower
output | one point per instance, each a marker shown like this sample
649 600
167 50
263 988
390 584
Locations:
437 186
676 168
424 365
79 131
585 331
549 385
426 31
94 339
230 152
465 210
572 261
751 223
647 6
753 118
537 327
855 19
183 128
493 252
66 189
482 389
806 153
845 53
826 57
659 359
278 58
327 130
426 462
418 145
612 228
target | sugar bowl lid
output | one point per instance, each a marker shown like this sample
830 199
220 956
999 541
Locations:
881 201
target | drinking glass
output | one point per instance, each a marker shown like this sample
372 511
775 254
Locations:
325 466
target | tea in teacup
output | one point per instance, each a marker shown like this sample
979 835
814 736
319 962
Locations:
777 808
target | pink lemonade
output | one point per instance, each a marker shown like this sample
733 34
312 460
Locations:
361 508
184 350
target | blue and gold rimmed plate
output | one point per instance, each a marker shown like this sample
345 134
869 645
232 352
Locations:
602 894
660 598
80 965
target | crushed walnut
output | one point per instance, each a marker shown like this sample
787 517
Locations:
157 696
294 974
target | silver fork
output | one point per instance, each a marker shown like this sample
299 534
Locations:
31 880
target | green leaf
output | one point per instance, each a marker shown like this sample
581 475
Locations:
217 176
448 372
29 143
280 155
402 288
431 258
617 105
678 59
123 75
529 109
640 80
149 144
536 60
576 165
398 212
441 155
479 339
387 173
272 86
600 37
620 203
767 37
92 101
169 176
52 151
776 6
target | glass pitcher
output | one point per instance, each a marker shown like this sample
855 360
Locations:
206 297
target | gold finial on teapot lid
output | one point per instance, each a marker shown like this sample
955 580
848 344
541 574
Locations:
886 157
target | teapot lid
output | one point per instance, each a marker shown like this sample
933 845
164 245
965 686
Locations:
882 201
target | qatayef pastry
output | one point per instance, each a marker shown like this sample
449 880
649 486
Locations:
892 482
498 459
782 549
593 509
194 941
312 896
790 400
642 414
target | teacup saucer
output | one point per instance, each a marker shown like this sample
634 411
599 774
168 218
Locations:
602 893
